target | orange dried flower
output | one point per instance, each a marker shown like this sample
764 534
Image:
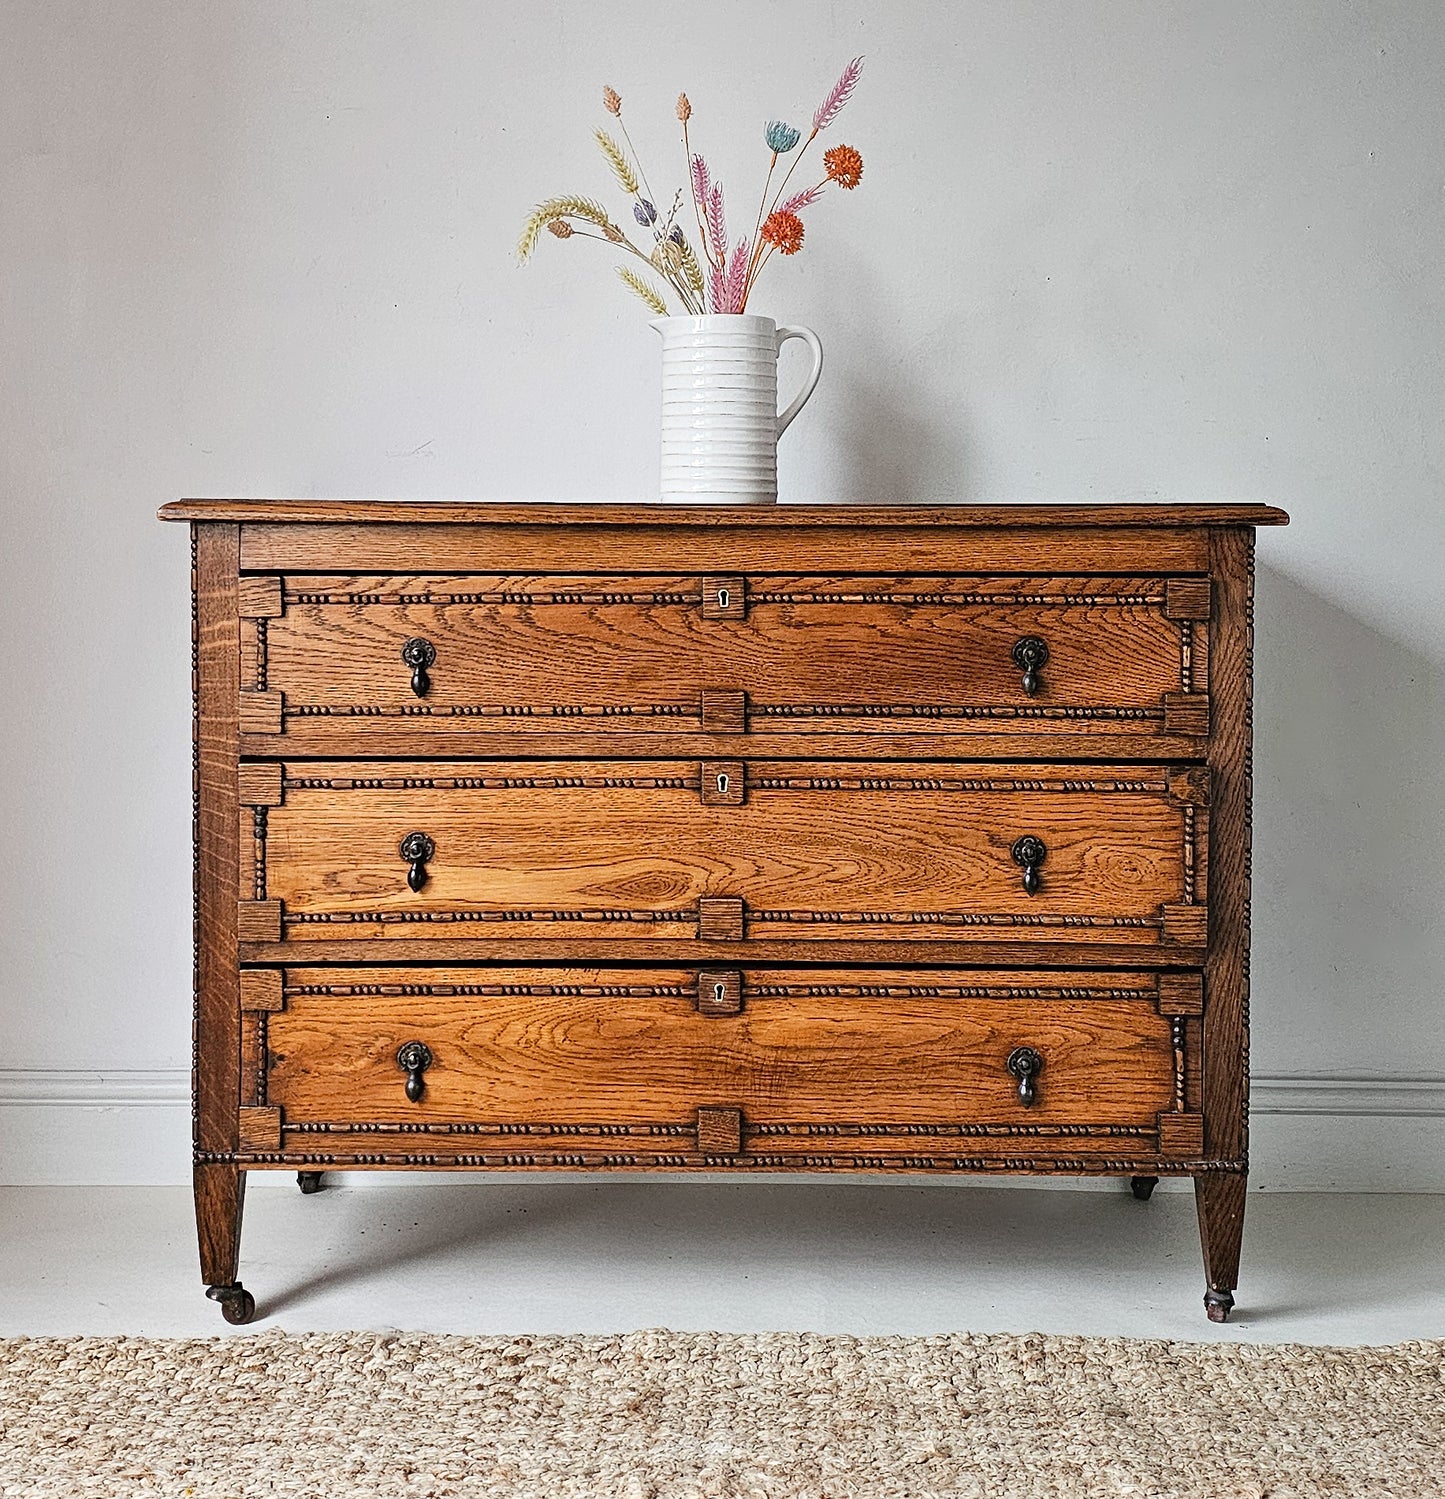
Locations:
561 228
684 108
845 166
784 231
612 101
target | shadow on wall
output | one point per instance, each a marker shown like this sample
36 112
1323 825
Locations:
884 434
1349 844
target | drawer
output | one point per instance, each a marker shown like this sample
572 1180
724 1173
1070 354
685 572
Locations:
642 1064
725 851
526 664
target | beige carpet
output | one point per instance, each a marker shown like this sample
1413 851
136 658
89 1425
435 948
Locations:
664 1415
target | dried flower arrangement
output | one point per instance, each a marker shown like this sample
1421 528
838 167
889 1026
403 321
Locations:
731 272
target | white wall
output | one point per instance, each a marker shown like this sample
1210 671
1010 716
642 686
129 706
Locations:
1103 250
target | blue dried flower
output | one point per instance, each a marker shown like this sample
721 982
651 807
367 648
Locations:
780 137
644 213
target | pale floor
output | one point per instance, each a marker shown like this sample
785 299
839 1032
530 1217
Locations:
612 1255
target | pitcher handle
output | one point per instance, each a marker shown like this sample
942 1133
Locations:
811 383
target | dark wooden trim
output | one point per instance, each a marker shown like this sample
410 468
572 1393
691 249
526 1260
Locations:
218 991
758 517
911 952
1219 1200
750 1163
220 1194
1226 975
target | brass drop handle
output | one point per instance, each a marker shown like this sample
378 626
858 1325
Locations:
1028 853
418 850
1031 655
414 1057
419 654
1026 1064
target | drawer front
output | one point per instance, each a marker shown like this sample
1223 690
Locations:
725 851
488 659
666 1062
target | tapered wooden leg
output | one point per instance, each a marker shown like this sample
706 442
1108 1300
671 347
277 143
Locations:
1219 1197
220 1192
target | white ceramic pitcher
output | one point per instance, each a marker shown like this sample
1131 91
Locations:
720 418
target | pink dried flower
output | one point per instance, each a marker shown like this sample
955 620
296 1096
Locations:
737 278
611 100
837 96
804 199
716 289
717 224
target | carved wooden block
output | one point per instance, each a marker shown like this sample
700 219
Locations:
719 1131
723 711
260 1129
719 992
724 783
720 918
1186 713
259 598
1181 994
1181 1135
1186 598
724 598
261 712
1189 785
261 990
1184 926
258 921
260 784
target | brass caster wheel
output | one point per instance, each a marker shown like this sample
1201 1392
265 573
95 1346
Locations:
1143 1186
1218 1304
238 1305
308 1181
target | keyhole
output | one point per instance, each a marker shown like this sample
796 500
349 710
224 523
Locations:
722 784
719 993
724 597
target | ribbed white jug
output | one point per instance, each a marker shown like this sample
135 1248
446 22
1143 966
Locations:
720 419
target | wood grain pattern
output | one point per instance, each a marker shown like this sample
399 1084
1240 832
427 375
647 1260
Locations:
569 517
719 1131
217 685
1219 1199
826 849
881 656
590 1049
1226 1022
732 544
219 1189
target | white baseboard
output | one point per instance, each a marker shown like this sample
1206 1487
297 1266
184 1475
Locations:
1308 1134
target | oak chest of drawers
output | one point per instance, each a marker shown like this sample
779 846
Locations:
752 840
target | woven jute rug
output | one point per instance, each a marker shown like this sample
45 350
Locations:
667 1415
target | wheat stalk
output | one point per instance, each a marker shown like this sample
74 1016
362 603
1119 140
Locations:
617 160
691 269
647 293
558 208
